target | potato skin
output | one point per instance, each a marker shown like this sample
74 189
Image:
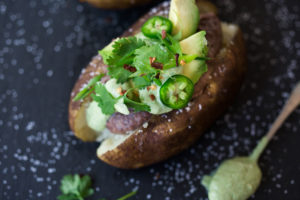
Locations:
168 134
115 4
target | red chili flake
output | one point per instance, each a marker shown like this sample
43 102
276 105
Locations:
123 92
152 97
163 34
176 58
129 68
182 62
157 65
152 59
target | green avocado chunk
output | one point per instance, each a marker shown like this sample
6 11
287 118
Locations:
235 179
185 17
195 45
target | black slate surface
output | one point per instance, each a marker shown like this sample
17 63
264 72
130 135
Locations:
44 44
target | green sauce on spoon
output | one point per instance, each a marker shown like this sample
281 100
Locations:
236 178
239 177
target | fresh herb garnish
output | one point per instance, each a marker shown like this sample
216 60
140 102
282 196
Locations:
172 44
88 89
137 106
119 53
119 73
141 60
122 51
141 82
74 187
136 52
104 99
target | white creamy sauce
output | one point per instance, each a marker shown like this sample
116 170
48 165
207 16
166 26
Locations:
114 88
96 120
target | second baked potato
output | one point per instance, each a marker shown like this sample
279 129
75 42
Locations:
116 4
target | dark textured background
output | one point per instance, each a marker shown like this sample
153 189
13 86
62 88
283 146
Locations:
44 44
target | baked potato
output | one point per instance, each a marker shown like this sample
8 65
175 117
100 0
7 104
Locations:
161 136
115 4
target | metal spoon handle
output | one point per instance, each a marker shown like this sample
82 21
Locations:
289 107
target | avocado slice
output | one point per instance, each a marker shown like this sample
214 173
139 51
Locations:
195 45
185 17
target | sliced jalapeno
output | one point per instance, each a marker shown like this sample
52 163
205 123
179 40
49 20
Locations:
176 92
155 25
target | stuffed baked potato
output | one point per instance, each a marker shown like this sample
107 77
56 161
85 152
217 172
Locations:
137 139
115 4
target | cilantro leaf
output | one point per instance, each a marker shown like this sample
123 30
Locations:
119 73
123 50
88 89
117 54
75 188
104 99
137 106
142 55
85 186
141 82
106 52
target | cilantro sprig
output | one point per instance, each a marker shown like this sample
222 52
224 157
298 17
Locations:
136 52
120 52
74 187
123 50
141 82
142 55
107 102
104 99
138 62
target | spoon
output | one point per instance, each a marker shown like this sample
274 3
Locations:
239 177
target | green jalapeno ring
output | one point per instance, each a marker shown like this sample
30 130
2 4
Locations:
176 92
155 25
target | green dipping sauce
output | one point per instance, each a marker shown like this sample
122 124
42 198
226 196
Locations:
236 178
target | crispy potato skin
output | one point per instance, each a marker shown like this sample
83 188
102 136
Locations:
168 134
115 4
